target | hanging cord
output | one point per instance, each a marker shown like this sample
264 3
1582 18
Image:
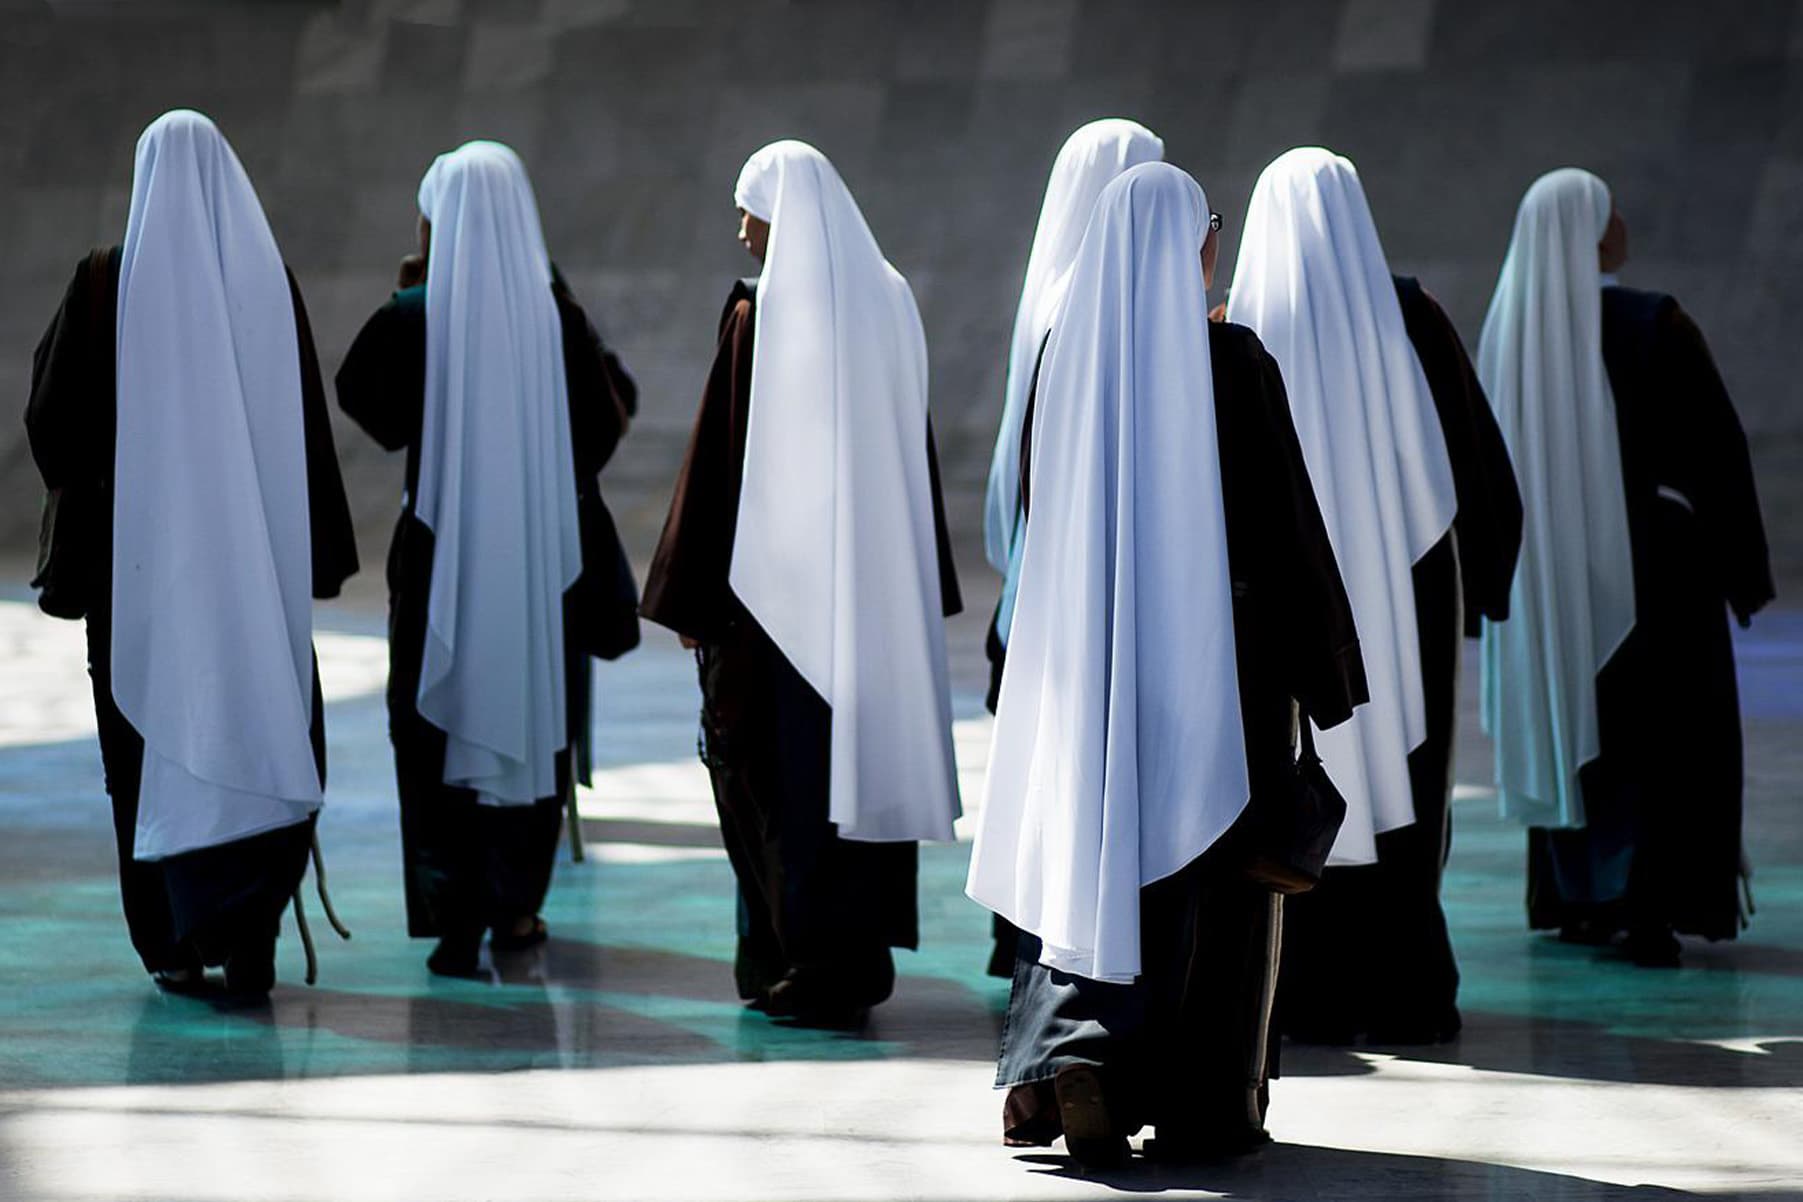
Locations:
300 914
1747 909
306 938
577 855
325 898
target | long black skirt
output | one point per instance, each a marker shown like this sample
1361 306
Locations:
1187 1045
1367 952
807 898
1662 844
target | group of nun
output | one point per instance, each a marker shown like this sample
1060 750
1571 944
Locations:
195 508
1232 538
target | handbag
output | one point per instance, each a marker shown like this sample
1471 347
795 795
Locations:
73 516
1289 838
607 595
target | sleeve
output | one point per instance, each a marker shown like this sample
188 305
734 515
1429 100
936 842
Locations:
1324 667
382 382
334 537
1488 523
951 597
1710 457
54 413
603 397
686 589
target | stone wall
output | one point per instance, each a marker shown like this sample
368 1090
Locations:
943 115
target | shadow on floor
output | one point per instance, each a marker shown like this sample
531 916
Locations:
1303 1172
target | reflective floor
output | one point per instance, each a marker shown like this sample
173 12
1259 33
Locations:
616 1062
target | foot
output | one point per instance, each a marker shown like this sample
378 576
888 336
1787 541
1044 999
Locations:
187 982
456 956
815 999
1653 947
1588 932
1091 1135
519 935
250 971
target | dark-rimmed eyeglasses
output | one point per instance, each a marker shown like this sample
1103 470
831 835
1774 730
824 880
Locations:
1214 222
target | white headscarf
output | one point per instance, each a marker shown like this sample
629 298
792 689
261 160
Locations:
1541 362
496 481
835 552
1313 283
1089 160
1119 754
212 547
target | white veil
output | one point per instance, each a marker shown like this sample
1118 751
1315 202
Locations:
835 551
496 481
1572 603
1313 283
1119 752
212 543
1090 158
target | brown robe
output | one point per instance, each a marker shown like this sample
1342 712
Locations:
807 897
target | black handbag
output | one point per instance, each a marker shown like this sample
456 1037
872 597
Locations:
76 512
607 595
1288 838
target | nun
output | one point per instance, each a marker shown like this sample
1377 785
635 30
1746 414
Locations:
195 508
491 378
1089 159
805 560
1177 599
1421 503
1609 690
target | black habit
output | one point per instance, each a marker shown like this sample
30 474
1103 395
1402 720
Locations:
204 906
470 867
807 898
1367 952
1186 1045
1662 848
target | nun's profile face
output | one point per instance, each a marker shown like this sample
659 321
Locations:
1211 253
754 234
1612 251
425 237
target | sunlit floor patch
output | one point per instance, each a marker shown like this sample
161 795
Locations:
922 1129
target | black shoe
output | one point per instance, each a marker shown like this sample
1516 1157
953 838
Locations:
1199 1147
814 999
1091 1135
1653 947
457 956
250 971
1588 932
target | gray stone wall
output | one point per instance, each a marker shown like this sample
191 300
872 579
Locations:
943 115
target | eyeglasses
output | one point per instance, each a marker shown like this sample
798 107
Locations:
1214 222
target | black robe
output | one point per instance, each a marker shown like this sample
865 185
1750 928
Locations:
470 867
1367 952
1662 848
201 905
1187 1043
806 897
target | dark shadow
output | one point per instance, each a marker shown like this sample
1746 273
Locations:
1300 1171
1551 1047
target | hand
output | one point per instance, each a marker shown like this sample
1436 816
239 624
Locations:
413 271
688 644
1218 314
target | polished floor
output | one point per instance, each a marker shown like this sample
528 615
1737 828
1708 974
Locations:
616 1063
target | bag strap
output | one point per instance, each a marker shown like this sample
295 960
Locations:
1306 737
